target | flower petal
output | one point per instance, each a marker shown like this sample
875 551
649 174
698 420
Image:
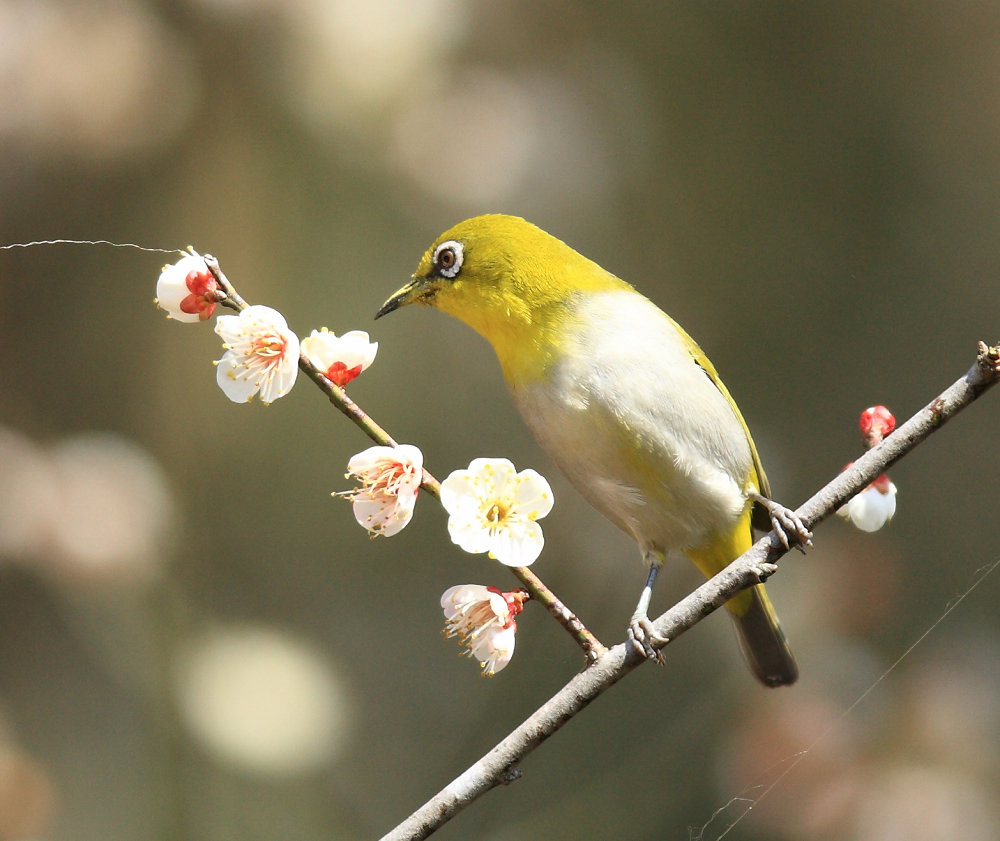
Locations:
237 388
534 494
871 509
494 651
518 547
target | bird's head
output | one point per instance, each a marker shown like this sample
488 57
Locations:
504 277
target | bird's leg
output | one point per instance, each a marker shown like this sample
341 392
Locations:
640 629
784 521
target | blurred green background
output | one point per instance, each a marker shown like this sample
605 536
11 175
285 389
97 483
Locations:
197 642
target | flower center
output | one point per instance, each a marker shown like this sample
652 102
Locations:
269 347
387 482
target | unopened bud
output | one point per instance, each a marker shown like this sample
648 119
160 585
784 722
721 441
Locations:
875 423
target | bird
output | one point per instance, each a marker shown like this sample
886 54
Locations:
624 402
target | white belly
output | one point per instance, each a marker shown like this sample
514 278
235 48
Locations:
639 428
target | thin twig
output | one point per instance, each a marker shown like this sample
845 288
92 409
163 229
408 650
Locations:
501 764
591 645
231 298
338 397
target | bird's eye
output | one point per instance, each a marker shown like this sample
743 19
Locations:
448 258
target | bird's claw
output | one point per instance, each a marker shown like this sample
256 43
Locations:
641 635
764 570
786 522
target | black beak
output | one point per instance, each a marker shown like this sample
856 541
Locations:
389 306
401 297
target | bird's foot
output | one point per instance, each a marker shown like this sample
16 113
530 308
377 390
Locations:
785 522
642 637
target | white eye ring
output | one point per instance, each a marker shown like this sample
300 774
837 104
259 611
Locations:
452 254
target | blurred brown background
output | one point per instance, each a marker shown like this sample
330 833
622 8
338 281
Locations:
197 642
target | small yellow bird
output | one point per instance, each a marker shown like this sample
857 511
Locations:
622 400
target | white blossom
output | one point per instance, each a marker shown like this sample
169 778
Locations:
340 358
493 508
262 355
873 507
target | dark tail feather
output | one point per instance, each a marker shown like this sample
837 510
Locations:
763 642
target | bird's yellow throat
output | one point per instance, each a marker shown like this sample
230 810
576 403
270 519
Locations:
524 306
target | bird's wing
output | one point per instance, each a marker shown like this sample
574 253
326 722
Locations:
703 362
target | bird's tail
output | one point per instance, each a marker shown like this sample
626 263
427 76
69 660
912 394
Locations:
763 642
761 638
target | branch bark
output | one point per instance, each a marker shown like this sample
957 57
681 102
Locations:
500 765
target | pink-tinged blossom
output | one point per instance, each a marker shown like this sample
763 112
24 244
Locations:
339 358
483 620
262 355
390 479
187 290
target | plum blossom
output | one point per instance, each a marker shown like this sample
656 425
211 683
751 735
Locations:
262 355
339 358
187 290
483 620
493 508
390 479
873 507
